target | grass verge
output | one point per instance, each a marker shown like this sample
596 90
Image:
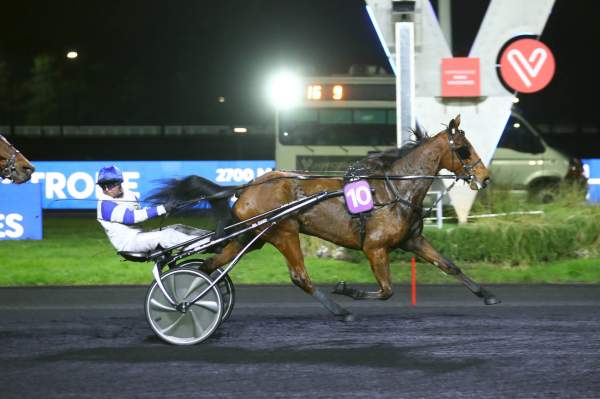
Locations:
75 251
560 246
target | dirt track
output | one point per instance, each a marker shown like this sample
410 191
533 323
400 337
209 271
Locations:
541 342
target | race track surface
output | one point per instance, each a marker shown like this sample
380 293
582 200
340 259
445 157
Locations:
541 342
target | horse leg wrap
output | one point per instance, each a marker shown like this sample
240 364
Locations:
342 289
488 297
333 307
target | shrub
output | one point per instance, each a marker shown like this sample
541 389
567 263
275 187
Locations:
568 228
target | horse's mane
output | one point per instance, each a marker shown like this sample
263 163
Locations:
385 159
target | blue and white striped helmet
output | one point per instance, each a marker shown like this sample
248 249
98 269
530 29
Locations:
109 173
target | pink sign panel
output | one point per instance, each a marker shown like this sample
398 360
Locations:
461 77
358 196
527 65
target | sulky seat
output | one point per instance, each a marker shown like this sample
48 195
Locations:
135 256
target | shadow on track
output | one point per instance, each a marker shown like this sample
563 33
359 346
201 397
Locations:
378 356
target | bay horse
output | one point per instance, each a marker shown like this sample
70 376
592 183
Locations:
396 222
13 165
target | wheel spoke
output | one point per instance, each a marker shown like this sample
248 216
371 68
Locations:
173 288
210 305
197 324
172 326
159 306
197 282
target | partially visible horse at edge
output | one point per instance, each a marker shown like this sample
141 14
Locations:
13 165
395 223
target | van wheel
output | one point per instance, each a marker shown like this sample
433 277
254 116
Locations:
544 192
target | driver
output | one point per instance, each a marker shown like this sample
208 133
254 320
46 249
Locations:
119 211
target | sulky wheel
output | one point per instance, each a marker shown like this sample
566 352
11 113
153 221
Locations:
184 326
226 286
227 290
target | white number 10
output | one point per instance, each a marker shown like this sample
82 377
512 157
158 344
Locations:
360 196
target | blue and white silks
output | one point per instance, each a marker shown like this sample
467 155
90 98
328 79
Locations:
118 217
113 210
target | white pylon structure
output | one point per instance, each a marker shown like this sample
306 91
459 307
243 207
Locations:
484 117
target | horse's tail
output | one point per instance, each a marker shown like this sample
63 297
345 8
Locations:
187 192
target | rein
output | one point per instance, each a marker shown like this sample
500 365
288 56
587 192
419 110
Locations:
388 178
459 152
10 166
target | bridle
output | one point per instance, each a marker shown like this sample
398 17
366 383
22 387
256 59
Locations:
462 153
10 165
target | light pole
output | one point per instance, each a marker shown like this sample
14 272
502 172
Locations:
284 91
72 56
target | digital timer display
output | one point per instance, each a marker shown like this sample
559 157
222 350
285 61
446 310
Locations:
350 92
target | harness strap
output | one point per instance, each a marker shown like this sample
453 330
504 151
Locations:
424 213
362 228
391 187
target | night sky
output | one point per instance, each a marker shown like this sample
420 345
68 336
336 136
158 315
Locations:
167 62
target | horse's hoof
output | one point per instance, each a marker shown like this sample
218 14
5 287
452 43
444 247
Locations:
492 300
347 317
340 288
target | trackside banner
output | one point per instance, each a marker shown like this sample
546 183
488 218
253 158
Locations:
20 212
591 170
72 185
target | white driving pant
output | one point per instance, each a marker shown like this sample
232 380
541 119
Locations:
166 238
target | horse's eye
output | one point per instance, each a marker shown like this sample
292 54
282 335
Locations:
463 152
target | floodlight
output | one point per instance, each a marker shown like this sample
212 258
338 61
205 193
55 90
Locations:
72 55
284 89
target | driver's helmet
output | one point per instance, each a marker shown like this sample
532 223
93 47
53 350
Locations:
109 174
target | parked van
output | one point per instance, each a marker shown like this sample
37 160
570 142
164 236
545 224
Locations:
524 162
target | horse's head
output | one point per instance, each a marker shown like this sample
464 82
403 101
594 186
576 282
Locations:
13 165
462 159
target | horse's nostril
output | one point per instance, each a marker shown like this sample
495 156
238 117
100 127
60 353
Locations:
486 181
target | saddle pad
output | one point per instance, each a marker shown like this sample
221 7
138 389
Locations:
358 196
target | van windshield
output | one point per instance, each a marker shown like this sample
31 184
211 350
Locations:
518 137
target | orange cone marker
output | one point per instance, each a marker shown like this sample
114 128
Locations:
413 279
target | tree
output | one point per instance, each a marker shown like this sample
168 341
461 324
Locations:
42 105
5 94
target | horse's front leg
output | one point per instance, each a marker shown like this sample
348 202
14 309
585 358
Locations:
421 247
379 260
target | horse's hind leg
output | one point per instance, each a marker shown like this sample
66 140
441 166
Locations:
379 260
288 243
421 247
226 255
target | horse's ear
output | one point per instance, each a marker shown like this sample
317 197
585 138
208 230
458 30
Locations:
454 123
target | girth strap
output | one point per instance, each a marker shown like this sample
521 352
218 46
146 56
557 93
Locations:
362 228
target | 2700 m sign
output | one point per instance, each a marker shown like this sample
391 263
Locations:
228 175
